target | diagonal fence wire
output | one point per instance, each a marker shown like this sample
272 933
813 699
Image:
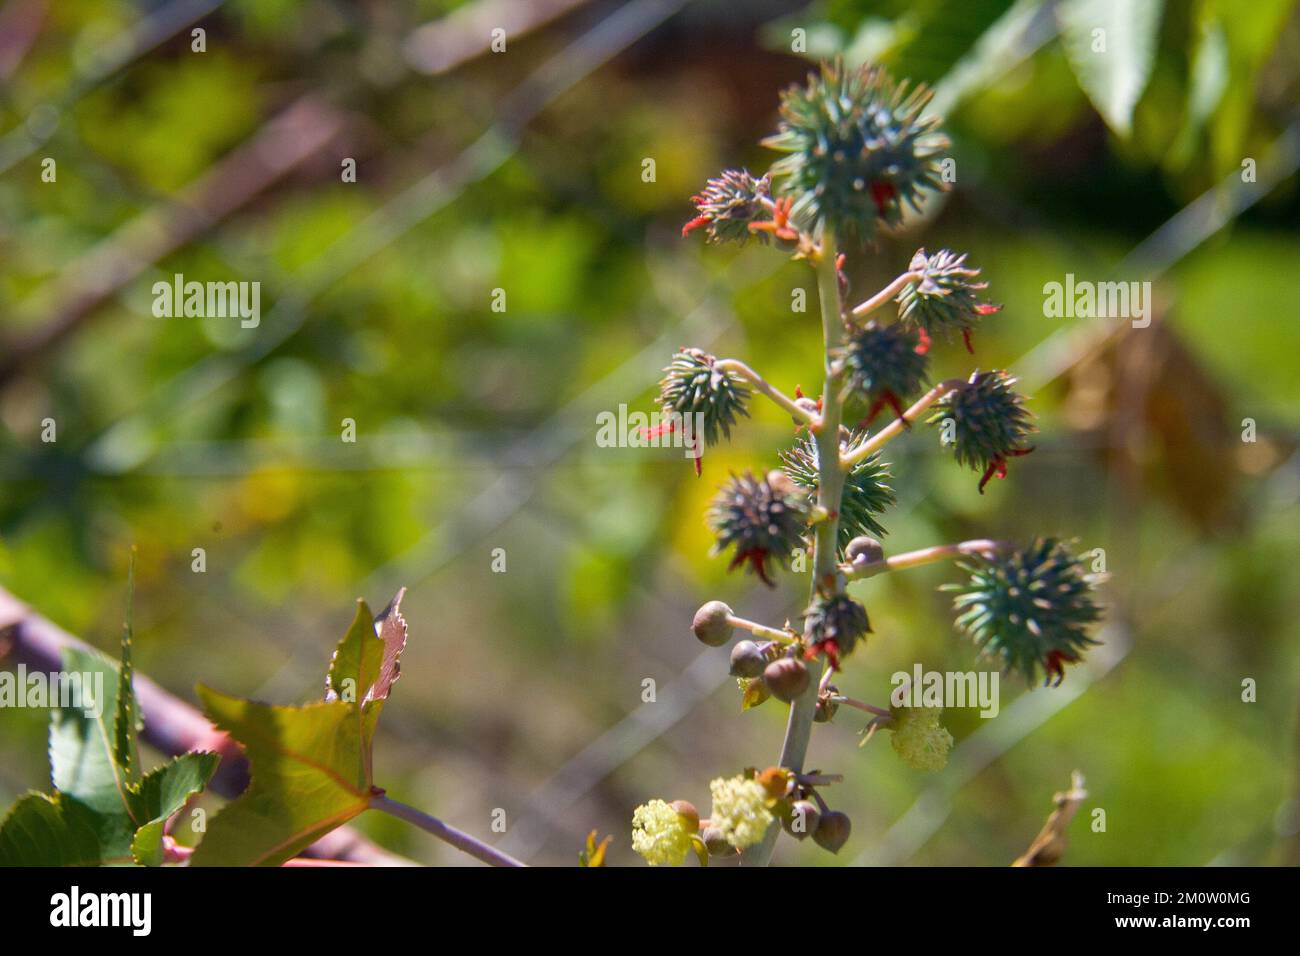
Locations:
113 55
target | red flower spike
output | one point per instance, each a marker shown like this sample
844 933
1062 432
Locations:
923 341
1054 664
881 194
756 559
696 223
998 466
780 224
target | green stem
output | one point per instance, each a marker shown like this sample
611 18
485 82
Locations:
830 489
443 831
914 559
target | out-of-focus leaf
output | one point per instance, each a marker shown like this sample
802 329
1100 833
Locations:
45 830
161 793
309 775
1111 45
311 766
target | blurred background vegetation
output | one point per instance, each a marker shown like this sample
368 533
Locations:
476 429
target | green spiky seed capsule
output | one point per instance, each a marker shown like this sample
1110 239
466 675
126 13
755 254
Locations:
857 148
989 423
710 624
946 297
762 519
692 386
884 365
1029 609
728 204
866 491
834 626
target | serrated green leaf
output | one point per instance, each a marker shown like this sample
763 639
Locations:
161 793
126 724
1111 46
82 748
44 830
309 775
355 664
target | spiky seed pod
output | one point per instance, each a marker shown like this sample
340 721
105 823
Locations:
884 365
833 831
990 422
834 626
710 624
762 519
693 386
786 678
747 659
946 299
857 148
1029 608
729 204
866 493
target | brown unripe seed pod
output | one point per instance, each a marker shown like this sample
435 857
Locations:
747 659
826 708
716 842
864 550
803 820
687 809
786 678
710 624
833 831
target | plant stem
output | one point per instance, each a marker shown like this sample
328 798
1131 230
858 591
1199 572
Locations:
897 426
913 559
443 831
761 630
885 294
863 705
830 489
744 371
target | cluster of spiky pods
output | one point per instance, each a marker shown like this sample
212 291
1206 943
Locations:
858 151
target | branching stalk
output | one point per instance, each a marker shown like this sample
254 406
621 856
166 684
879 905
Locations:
830 489
744 371
899 425
913 559
884 295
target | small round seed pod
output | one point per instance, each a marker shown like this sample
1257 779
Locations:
686 810
865 550
747 659
803 819
826 706
786 678
833 831
710 624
